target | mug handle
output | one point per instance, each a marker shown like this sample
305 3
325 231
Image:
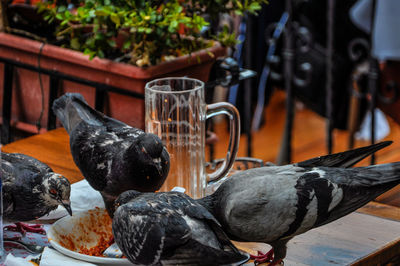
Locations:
234 136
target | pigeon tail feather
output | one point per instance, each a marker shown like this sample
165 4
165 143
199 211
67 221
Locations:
380 174
67 112
344 159
367 183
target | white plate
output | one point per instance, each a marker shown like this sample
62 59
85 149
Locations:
79 230
72 233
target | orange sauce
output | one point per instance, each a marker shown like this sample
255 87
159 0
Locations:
96 226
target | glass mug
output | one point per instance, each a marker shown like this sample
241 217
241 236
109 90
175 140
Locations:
176 111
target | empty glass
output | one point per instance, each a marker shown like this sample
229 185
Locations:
176 111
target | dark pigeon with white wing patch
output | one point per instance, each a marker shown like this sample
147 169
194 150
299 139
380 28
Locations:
170 229
112 156
30 188
275 203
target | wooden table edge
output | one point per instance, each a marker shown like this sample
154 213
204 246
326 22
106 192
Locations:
381 256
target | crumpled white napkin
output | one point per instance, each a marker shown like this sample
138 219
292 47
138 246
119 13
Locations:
16 261
382 128
51 257
83 197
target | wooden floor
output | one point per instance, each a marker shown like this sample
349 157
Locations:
309 139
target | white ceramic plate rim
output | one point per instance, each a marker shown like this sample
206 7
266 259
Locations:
77 255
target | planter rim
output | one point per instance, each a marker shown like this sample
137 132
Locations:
67 55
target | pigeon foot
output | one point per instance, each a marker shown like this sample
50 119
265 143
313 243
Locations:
261 257
267 257
23 228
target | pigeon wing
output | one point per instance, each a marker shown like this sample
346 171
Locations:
8 203
26 162
358 186
197 211
201 248
144 235
195 253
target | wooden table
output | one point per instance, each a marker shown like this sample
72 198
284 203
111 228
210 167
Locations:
367 237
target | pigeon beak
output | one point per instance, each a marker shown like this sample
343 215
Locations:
67 206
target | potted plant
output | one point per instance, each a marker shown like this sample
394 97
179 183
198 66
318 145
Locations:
123 44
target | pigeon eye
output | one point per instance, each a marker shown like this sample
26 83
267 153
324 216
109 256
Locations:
53 191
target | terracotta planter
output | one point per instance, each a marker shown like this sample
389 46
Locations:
27 96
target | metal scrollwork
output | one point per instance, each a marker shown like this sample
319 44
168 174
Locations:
358 49
392 89
304 41
306 69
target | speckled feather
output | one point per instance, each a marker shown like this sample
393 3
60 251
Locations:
26 186
170 229
112 156
275 203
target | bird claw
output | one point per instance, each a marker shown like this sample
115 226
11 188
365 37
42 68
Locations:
262 258
23 228
266 257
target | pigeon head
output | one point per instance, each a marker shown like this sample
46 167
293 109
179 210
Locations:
56 191
149 161
126 197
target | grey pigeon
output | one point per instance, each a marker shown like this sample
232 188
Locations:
31 189
275 203
112 156
170 228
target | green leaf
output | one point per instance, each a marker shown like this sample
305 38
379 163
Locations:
100 53
61 9
101 12
90 42
253 7
67 14
89 52
112 43
41 7
115 18
75 44
99 36
172 27
81 12
126 45
92 13
59 16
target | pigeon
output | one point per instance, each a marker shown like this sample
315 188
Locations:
112 156
170 228
275 203
30 190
